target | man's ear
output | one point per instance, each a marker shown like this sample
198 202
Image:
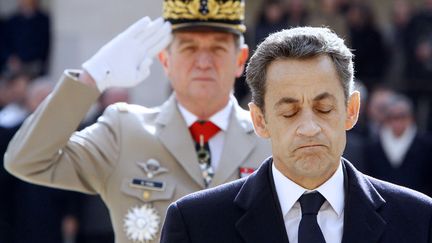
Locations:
242 57
258 120
353 109
163 59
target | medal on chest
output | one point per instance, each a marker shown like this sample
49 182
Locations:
142 224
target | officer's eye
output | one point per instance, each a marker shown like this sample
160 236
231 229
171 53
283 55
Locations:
324 110
188 49
219 49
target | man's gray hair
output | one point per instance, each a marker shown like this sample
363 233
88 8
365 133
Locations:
299 43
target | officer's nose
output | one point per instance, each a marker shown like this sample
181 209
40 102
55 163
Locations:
204 59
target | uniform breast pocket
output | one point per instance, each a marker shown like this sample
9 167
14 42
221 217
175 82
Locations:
148 190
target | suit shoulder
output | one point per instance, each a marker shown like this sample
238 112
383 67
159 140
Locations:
403 195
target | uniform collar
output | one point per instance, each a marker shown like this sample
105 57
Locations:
220 118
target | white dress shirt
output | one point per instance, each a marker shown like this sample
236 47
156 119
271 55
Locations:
331 214
220 119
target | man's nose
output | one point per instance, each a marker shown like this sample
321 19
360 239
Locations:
308 126
204 59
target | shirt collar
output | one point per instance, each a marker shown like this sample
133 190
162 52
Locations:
289 192
220 118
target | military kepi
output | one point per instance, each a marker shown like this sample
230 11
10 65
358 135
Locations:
223 15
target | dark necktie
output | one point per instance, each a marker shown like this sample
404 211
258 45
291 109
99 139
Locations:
309 230
201 132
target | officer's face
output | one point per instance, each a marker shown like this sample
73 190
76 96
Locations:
306 118
202 66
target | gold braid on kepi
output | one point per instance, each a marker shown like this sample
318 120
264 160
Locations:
223 15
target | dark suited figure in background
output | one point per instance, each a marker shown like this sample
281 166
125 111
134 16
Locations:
371 55
2 45
27 38
402 154
7 187
31 213
302 99
418 65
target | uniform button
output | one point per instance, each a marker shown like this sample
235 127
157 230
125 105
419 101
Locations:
146 195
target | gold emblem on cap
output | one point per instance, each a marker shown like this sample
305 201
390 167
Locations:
195 9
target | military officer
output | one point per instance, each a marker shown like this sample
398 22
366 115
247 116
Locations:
141 159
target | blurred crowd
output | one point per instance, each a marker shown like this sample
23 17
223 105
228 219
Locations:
391 141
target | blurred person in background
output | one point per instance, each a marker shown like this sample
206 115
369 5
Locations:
27 38
2 45
271 18
370 54
402 155
418 71
327 13
7 181
32 213
419 63
4 97
396 37
379 100
296 12
15 91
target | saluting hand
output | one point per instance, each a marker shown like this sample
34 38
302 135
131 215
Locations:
125 61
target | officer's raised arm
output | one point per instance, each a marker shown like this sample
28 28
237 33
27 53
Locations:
45 137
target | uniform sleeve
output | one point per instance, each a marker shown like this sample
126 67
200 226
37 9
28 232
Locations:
174 229
47 151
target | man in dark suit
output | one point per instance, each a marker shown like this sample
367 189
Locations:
402 154
302 99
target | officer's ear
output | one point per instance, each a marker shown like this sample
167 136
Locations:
352 110
242 57
163 59
258 120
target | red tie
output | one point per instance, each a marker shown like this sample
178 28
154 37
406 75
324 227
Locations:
205 128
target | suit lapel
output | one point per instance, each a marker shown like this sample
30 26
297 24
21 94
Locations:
238 145
174 135
262 220
362 222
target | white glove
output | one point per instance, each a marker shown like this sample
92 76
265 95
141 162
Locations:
125 61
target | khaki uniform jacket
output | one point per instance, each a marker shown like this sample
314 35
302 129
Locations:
109 158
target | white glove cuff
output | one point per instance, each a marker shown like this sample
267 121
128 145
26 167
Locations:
98 72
